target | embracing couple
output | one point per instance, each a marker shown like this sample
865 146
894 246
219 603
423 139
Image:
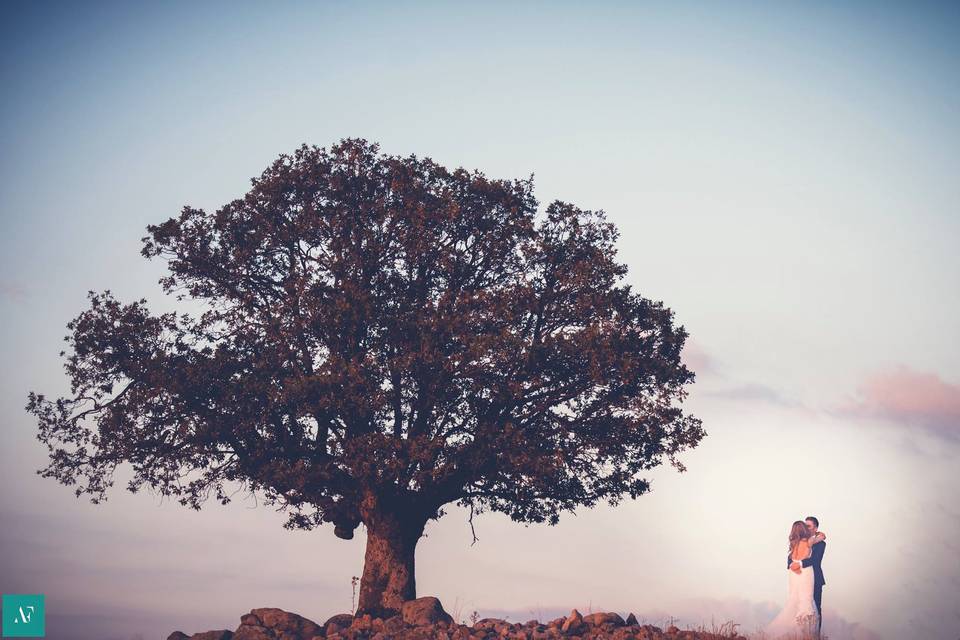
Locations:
800 617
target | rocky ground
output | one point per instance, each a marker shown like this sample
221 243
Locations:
424 618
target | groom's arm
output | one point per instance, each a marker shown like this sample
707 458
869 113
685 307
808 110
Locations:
793 565
817 555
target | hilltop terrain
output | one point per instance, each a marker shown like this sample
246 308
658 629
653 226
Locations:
424 618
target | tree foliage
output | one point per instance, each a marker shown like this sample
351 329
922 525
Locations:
378 332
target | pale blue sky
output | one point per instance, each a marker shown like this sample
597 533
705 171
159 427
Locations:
784 177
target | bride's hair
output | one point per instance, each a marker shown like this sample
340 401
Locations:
798 532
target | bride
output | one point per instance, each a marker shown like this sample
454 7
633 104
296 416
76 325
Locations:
798 619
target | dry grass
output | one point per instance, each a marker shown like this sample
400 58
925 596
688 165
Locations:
760 635
726 630
456 611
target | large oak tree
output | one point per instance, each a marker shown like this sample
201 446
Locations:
380 337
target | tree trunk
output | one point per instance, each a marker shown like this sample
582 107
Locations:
388 566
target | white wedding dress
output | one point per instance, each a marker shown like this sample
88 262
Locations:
798 618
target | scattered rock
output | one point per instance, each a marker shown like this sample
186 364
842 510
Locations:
490 623
573 623
178 635
337 622
393 625
604 618
363 623
631 619
220 634
424 611
270 623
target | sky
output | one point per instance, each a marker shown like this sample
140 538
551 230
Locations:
783 176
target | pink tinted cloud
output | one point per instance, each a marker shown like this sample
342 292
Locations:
910 398
10 289
697 359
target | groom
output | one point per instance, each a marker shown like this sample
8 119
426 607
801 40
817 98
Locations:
814 561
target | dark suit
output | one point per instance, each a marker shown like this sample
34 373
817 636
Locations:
814 561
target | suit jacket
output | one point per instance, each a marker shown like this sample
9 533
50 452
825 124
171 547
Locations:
814 561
